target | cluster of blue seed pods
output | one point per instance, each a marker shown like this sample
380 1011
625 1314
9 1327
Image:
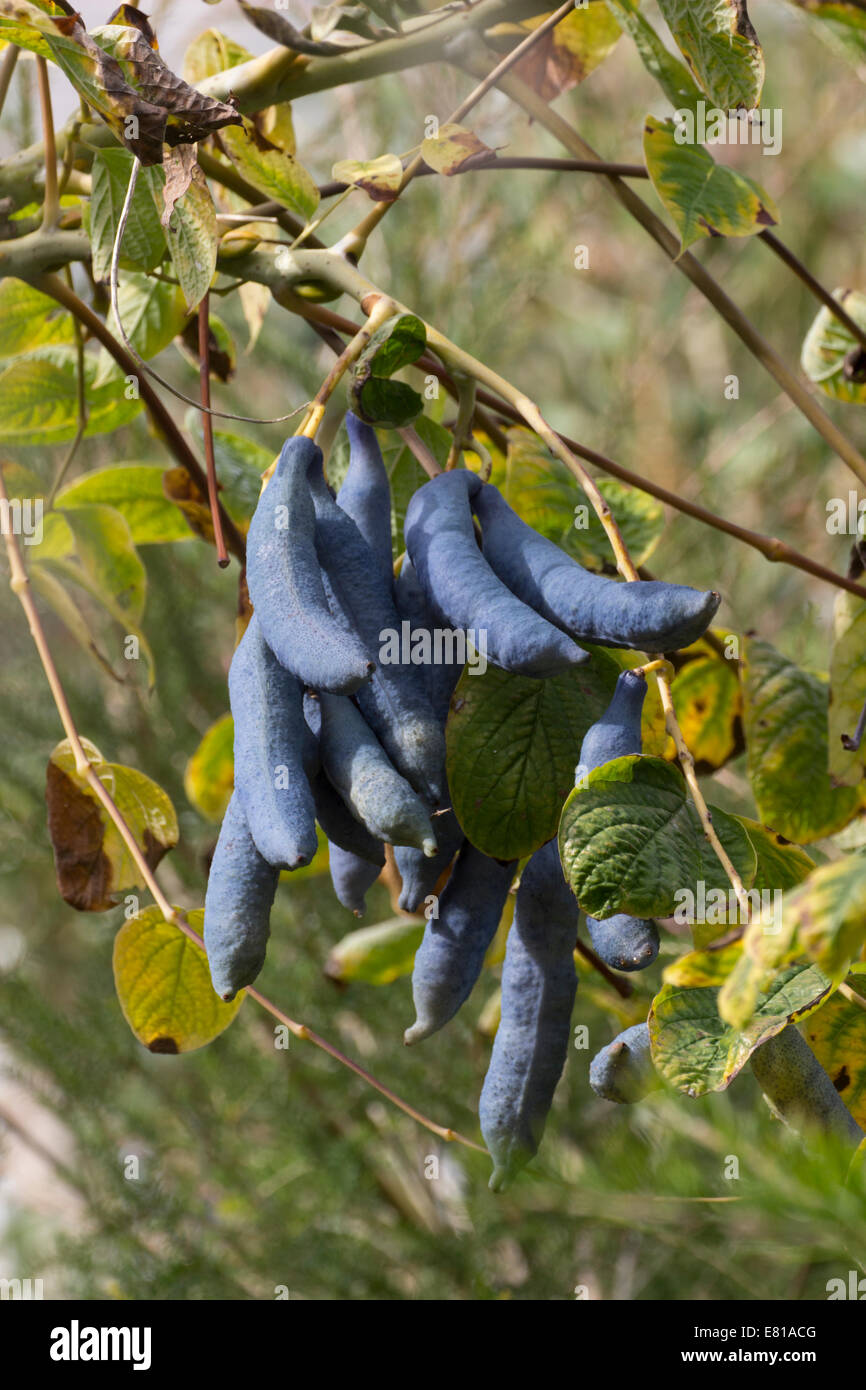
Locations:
327 731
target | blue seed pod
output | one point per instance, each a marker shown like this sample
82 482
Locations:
394 703
352 876
648 614
419 875
623 1071
335 818
269 751
412 605
798 1088
285 581
449 959
358 767
366 494
237 906
461 586
622 941
531 1045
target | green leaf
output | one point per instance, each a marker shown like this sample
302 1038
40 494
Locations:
847 689
822 918
164 987
55 594
210 773
836 1034
832 356
28 319
513 743
193 238
272 170
785 723
143 239
152 313
780 866
694 1050
398 343
240 464
134 490
672 76
390 404
106 565
39 401
376 955
92 861
718 42
631 841
704 198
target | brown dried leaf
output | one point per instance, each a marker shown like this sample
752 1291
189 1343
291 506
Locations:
180 166
179 488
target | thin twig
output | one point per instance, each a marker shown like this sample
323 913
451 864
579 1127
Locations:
51 202
20 585
207 429
7 68
53 286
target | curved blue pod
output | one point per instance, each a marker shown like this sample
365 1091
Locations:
418 874
270 750
366 493
462 587
352 876
237 906
413 607
449 959
340 826
648 615
623 1071
357 765
531 1044
285 581
394 703
622 941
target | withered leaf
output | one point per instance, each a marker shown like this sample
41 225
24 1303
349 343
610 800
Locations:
276 27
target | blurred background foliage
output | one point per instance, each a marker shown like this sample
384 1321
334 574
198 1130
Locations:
262 1168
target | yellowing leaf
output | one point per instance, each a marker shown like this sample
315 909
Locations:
718 42
706 696
704 198
164 986
836 1034
831 356
277 174
377 955
92 861
566 54
380 178
210 773
448 151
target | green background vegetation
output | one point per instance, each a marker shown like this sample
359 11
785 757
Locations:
260 1167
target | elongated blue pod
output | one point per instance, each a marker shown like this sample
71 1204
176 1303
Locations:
394 702
270 751
352 876
237 906
285 581
449 959
531 1044
648 615
461 586
365 495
